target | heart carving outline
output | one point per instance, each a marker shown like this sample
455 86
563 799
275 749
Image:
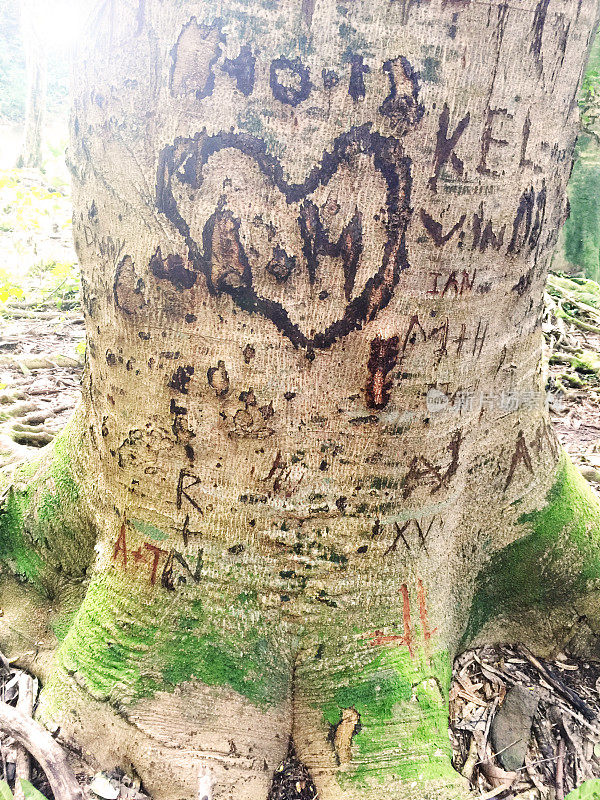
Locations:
184 161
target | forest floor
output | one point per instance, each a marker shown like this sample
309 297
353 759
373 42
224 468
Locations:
41 361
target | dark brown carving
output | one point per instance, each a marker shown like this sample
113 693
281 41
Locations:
383 358
231 274
444 150
195 52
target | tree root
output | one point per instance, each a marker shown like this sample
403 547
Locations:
44 749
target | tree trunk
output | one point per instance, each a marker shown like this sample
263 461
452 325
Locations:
314 452
36 78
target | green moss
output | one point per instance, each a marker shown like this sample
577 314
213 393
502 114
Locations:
216 662
15 550
402 703
587 362
557 560
107 648
126 647
572 380
61 624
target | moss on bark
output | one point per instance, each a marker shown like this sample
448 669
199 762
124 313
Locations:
555 562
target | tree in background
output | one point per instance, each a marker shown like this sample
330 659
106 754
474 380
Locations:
580 239
313 458
36 64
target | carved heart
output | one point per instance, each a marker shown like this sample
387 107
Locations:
225 264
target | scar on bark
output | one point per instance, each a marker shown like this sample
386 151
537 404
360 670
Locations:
195 52
308 9
172 269
537 30
383 358
218 379
524 283
358 69
402 104
281 265
128 288
229 266
344 732
181 378
242 68
520 456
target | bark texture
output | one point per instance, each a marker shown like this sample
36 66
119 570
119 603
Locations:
314 239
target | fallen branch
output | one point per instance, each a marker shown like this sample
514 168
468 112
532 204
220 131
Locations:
23 761
49 755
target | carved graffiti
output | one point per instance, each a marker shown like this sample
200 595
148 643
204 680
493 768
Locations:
383 358
407 637
222 258
402 105
444 150
179 570
194 54
520 455
186 482
146 557
423 472
290 80
241 69
457 282
405 533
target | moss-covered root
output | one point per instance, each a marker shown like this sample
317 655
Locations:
175 685
46 547
45 531
545 587
371 719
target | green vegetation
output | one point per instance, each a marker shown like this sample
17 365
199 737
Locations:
581 235
590 790
29 791
36 252
12 69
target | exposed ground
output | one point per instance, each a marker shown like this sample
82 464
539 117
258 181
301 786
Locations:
551 718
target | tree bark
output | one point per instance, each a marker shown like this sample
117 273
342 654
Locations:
36 78
314 450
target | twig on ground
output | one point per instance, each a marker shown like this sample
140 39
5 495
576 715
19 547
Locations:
560 771
560 687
